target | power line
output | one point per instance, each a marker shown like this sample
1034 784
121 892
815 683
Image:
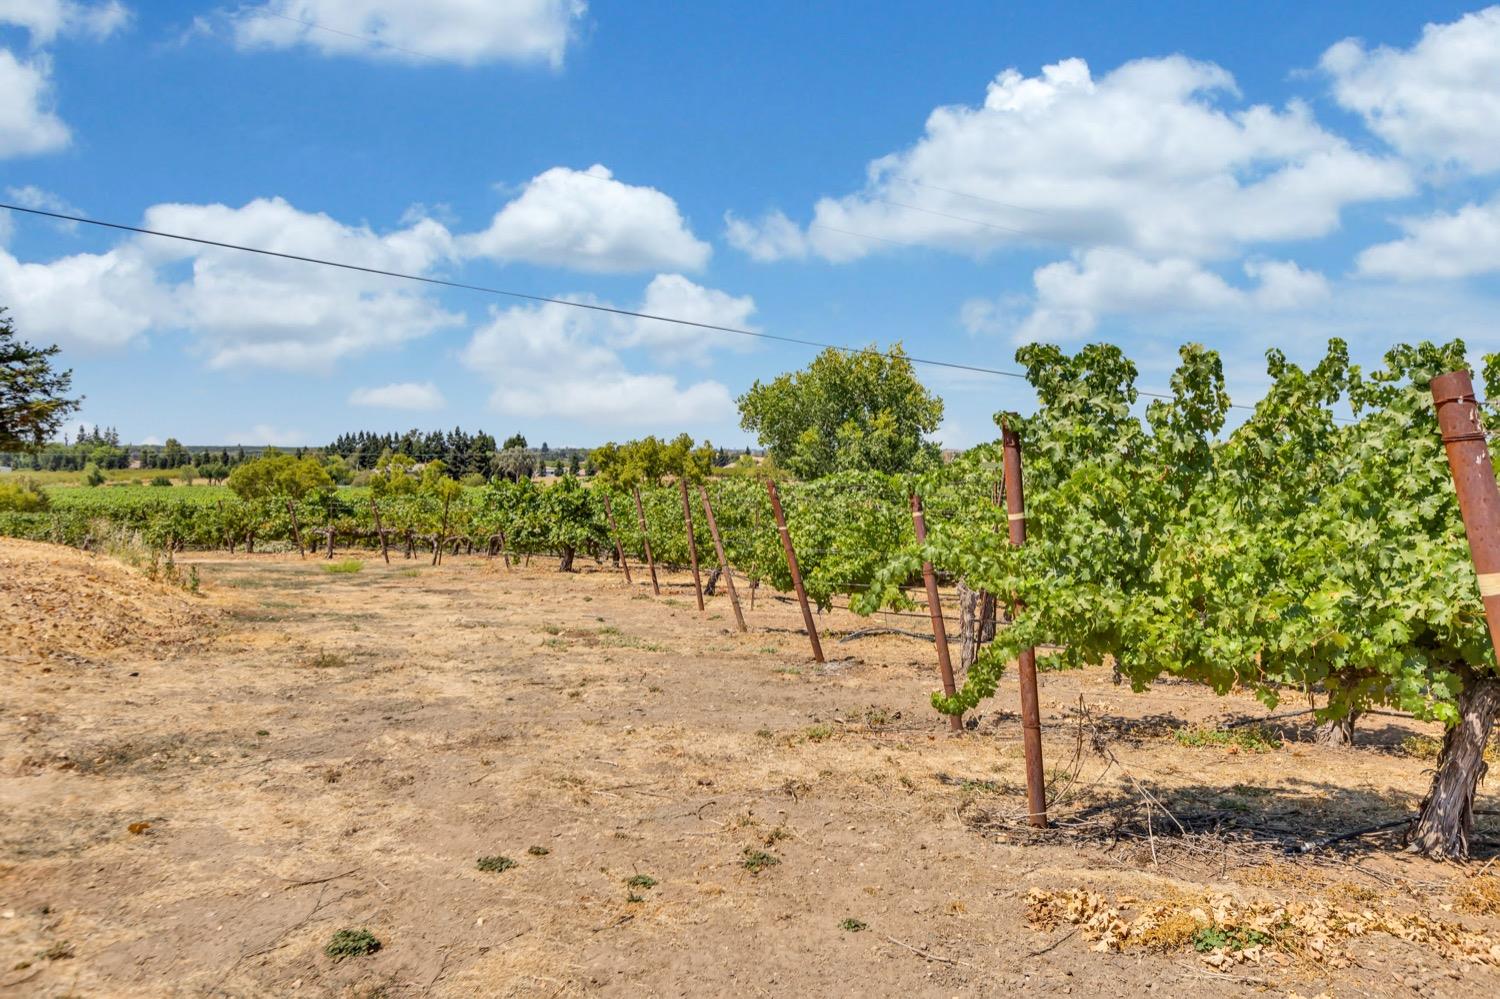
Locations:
546 300
955 218
976 197
463 286
369 39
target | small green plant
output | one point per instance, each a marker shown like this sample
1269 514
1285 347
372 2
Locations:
1235 740
160 480
351 943
495 864
347 565
1211 938
538 851
758 860
764 733
640 881
326 660
818 733
262 732
633 897
852 925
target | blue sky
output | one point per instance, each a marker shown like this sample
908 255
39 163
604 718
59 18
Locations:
963 177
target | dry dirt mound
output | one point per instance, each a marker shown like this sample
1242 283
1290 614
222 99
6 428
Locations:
58 601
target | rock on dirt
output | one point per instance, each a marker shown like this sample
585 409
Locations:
56 601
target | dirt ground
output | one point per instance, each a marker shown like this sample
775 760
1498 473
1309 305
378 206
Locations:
690 811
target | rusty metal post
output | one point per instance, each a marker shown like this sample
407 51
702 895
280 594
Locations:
728 577
935 609
614 531
687 518
640 512
1474 481
791 564
1031 715
385 548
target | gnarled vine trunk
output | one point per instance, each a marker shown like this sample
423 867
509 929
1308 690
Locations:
1446 821
565 560
976 625
1339 732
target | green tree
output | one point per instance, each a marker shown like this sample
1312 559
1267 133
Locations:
861 411
174 455
515 463
33 400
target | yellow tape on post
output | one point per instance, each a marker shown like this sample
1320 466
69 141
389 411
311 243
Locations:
1489 584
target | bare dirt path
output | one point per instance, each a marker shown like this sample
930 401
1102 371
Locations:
690 811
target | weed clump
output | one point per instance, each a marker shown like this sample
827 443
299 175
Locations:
351 943
538 851
852 925
1233 939
495 864
758 860
1234 740
640 881
345 566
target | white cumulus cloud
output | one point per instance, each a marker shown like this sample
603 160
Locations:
1443 245
466 32
238 308
248 309
560 361
586 220
674 295
1073 295
1438 101
399 395
28 124
47 19
1158 156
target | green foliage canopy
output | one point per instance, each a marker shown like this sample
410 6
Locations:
859 411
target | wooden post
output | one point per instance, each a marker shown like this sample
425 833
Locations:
791 564
687 519
614 531
640 512
504 555
1031 717
291 509
385 551
330 533
935 611
725 574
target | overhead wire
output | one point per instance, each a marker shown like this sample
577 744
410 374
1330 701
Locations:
548 300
